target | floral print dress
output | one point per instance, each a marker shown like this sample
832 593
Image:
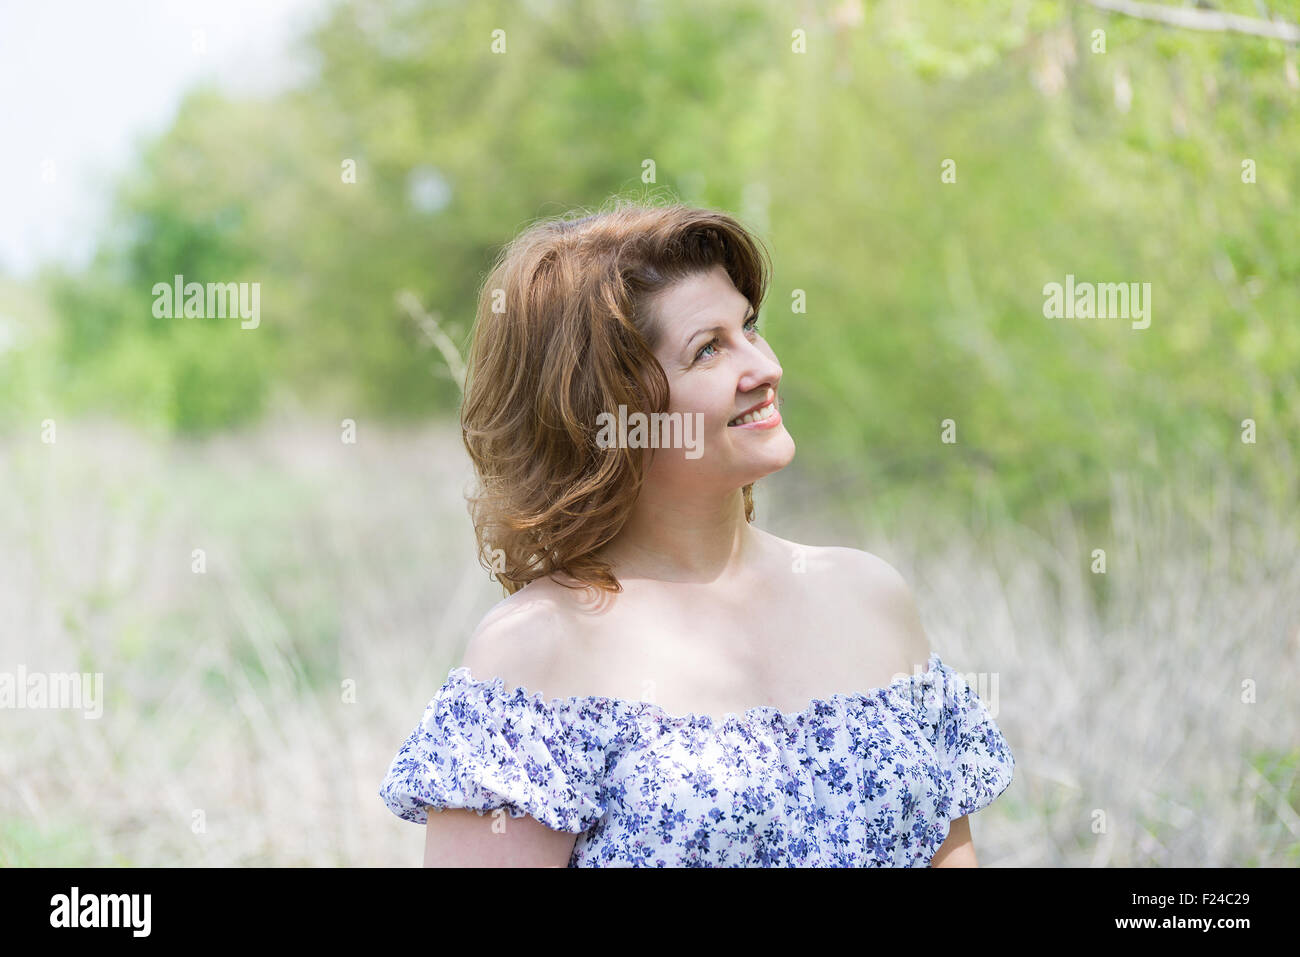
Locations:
871 779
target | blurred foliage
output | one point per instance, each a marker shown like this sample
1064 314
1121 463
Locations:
1275 797
924 298
24 844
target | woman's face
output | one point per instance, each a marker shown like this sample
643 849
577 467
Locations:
719 366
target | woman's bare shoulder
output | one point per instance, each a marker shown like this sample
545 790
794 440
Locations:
866 588
517 639
863 567
848 566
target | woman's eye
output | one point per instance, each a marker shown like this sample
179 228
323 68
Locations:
751 325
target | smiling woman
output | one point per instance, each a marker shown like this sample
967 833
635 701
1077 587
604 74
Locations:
665 684
566 336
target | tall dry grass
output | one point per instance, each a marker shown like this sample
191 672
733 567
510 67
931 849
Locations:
228 736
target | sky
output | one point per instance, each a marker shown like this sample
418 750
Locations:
82 80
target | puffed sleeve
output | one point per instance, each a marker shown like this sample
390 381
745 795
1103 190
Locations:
480 748
974 759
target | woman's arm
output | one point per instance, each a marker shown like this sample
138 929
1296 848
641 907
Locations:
957 850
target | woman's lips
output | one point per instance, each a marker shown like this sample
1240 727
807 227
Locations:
771 422
769 401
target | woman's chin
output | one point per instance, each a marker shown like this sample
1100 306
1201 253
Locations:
772 459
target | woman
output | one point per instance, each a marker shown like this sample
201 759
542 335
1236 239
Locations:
666 684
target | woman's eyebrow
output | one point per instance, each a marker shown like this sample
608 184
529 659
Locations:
699 332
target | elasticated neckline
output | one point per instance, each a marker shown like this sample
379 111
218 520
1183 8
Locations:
762 714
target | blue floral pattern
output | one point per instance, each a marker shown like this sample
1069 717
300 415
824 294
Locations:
872 779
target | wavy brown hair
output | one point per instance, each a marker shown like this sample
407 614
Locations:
563 333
